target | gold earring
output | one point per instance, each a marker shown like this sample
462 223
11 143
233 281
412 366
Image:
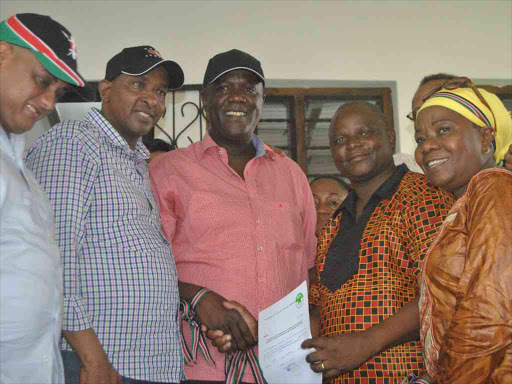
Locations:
487 151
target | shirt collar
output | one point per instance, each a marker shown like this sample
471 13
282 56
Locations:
388 189
94 116
385 191
13 144
258 144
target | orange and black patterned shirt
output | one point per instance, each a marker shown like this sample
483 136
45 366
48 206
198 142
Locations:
402 219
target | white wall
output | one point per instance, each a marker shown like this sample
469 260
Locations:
319 40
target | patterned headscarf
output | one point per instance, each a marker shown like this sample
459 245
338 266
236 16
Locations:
465 102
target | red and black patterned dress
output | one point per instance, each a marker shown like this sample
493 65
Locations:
372 270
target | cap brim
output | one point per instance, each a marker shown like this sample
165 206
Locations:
76 79
11 32
176 75
234 69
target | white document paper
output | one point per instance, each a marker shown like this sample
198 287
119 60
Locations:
282 328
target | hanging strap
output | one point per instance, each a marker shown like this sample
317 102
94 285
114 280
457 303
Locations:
235 364
198 339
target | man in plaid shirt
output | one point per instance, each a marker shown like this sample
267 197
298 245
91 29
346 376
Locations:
120 283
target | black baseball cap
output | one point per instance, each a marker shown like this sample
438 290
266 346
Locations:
136 61
50 42
231 61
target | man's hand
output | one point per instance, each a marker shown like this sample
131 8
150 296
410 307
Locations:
226 318
337 354
222 341
100 372
348 351
508 158
96 368
249 319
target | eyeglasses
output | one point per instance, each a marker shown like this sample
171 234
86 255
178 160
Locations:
458 82
412 115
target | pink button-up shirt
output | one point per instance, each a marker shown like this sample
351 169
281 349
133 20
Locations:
249 240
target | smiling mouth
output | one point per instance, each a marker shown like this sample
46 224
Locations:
357 157
435 163
145 115
33 109
235 113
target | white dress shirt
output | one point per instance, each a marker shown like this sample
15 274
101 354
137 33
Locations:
30 275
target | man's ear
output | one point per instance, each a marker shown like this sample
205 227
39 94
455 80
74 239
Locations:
104 88
203 95
6 51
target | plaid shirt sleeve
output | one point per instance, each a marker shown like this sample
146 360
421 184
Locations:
66 172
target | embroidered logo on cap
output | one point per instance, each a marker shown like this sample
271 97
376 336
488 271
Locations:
72 46
155 53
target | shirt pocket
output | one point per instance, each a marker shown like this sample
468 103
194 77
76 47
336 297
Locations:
287 238
286 226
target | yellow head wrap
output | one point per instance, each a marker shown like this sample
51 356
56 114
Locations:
465 102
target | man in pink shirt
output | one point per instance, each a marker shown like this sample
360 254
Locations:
240 218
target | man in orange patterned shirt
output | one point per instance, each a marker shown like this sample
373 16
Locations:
364 302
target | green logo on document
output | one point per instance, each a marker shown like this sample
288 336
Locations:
298 299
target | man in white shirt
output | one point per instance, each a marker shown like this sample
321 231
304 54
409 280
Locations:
37 65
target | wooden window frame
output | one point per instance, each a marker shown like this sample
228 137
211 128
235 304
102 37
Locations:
504 92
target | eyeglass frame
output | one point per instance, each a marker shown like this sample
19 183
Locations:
412 115
459 82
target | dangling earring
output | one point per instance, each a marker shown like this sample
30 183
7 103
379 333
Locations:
487 151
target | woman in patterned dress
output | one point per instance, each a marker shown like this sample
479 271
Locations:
463 133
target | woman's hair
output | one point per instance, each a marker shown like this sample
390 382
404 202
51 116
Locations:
437 76
158 145
338 180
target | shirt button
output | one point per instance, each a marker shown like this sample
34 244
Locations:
260 248
220 152
257 221
252 195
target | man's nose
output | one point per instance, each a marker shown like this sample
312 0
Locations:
150 98
48 99
237 95
353 142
